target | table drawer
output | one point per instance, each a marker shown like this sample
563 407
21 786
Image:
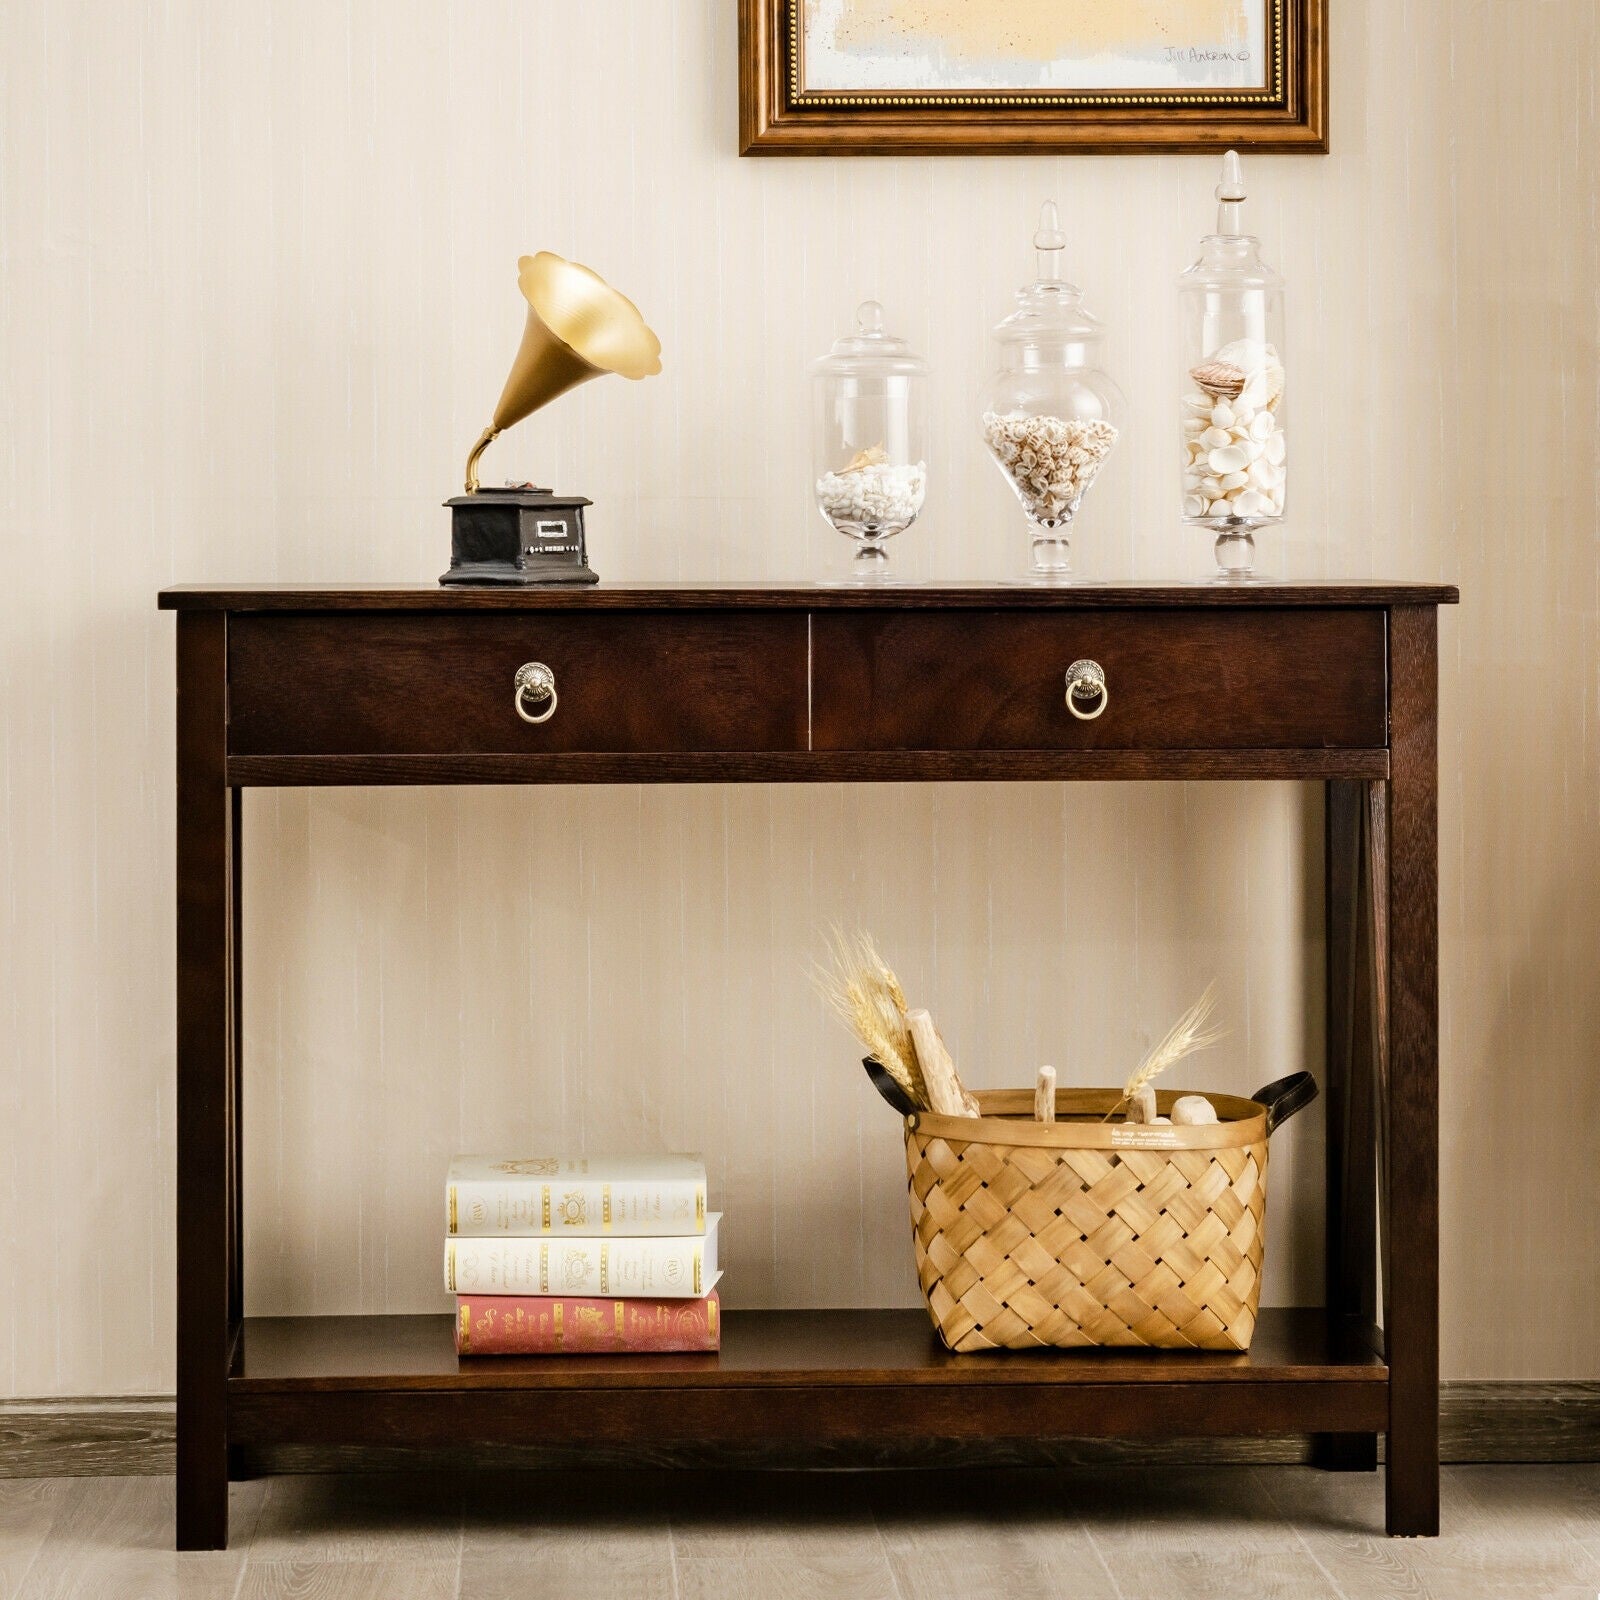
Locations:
1229 679
393 683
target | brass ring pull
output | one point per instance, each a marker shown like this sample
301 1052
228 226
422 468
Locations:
1086 680
536 682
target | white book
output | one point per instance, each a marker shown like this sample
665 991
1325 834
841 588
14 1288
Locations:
652 1269
575 1197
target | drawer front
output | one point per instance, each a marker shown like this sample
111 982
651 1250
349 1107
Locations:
397 683
996 680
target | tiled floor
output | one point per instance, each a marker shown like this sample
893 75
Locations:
1236 1533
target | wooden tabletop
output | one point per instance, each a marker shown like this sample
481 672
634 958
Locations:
801 596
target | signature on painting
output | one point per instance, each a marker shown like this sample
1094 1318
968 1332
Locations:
1196 55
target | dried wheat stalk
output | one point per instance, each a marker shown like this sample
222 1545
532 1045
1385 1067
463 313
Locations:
1188 1034
863 992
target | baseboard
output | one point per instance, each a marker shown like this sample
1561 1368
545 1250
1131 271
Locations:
1478 1422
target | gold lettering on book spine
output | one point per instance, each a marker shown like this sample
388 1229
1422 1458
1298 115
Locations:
699 1258
711 1316
605 1208
621 1315
450 1268
544 1269
452 1208
465 1340
700 1208
544 1207
556 1313
605 1269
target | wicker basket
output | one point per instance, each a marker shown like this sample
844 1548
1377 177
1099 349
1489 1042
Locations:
1087 1232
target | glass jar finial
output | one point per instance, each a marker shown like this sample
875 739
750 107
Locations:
1049 243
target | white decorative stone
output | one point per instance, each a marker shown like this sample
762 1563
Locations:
878 497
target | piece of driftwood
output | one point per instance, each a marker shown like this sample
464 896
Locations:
1142 1104
1044 1097
945 1092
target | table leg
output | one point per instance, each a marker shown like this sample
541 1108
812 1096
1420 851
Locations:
1411 1089
1351 1266
207 1190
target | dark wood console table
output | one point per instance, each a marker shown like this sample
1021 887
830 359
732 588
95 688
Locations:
1328 682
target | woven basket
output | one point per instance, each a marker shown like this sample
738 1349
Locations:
1085 1232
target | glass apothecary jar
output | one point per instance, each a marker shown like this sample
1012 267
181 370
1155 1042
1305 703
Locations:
869 436
1235 452
1050 414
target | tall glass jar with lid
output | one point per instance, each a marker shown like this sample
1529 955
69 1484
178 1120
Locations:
869 444
1050 414
1235 452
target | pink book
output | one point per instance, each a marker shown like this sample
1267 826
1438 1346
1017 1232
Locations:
541 1325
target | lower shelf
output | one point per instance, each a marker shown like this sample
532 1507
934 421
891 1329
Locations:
800 1374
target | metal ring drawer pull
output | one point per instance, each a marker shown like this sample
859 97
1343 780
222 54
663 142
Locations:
535 681
1086 680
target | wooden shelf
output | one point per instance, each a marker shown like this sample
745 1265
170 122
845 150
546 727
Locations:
821 1374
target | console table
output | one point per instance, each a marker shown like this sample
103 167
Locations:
1335 683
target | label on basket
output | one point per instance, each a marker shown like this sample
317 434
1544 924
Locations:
1141 1136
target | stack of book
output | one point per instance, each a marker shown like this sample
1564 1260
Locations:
555 1255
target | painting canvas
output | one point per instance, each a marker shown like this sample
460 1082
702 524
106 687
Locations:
862 77
922 46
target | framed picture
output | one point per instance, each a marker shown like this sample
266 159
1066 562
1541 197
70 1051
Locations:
899 77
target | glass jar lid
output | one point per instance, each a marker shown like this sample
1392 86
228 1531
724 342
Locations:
1230 258
1049 309
869 350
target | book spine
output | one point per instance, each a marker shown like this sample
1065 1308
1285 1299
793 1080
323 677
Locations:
667 1269
575 1208
513 1325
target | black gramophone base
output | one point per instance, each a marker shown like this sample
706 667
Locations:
478 573
517 536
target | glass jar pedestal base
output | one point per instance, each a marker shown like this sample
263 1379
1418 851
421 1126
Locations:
1236 553
869 566
1052 558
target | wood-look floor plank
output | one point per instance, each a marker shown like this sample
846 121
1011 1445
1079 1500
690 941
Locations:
1503 1532
1204 1572
775 1516
1006 1532
982 1573
535 1516
390 1517
112 1537
1198 1533
861 1574
27 1508
352 1580
576 1572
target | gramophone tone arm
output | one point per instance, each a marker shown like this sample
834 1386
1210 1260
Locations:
483 443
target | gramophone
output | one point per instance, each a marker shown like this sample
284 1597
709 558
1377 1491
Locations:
578 328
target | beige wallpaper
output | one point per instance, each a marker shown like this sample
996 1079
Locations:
257 294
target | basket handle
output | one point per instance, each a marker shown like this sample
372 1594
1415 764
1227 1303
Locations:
1285 1097
888 1088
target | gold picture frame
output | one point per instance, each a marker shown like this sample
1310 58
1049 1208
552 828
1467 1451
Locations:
783 112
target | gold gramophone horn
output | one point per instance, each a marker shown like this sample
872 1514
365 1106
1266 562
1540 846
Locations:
578 328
